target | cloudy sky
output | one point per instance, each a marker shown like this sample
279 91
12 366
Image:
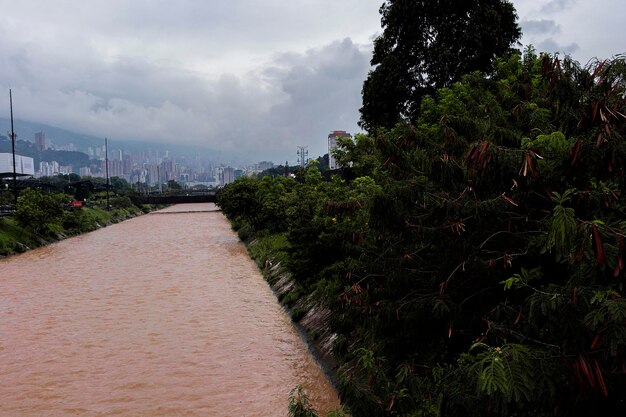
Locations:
253 78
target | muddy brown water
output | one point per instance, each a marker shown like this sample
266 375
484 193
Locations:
161 315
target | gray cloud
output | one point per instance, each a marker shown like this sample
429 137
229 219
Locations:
210 73
539 27
551 46
555 6
295 98
241 76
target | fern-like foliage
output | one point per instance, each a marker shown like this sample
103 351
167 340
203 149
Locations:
561 227
299 404
504 373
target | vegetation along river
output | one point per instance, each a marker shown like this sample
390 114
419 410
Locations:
161 315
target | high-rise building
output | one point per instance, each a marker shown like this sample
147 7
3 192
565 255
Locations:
332 144
40 141
48 169
228 175
264 165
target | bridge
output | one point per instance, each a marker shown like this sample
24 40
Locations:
209 197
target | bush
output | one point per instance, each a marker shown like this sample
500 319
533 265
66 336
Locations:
37 210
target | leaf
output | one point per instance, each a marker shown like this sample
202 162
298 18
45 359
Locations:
598 69
619 265
584 366
594 343
598 249
600 379
576 151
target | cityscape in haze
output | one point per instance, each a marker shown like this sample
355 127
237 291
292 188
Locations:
141 163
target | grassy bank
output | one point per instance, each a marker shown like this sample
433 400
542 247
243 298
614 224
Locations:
16 238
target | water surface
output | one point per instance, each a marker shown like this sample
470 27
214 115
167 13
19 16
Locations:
161 315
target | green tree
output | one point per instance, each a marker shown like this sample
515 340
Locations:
39 211
426 45
476 264
174 186
119 184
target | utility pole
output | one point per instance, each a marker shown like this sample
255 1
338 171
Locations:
159 178
106 162
302 155
13 148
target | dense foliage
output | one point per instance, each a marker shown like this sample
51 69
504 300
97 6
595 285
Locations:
475 266
427 45
46 216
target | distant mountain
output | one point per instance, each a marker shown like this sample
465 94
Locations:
26 130
26 148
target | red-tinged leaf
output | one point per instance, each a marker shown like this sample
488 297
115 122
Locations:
575 295
518 319
507 261
607 128
576 151
531 163
522 170
580 253
598 69
599 139
442 287
594 111
579 376
599 250
586 370
619 265
391 402
600 379
509 200
594 343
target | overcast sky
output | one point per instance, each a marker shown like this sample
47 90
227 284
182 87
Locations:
255 78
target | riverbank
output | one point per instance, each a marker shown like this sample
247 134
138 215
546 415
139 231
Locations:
15 238
310 316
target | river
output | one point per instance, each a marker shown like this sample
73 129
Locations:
161 315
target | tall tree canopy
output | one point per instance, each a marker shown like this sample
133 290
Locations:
476 265
429 44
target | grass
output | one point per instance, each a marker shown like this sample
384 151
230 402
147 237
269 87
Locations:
15 238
